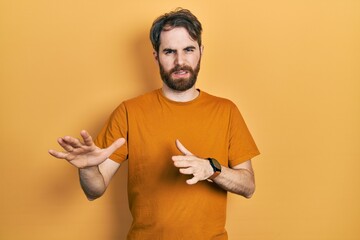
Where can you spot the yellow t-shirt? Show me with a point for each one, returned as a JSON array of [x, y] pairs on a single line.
[[163, 206]]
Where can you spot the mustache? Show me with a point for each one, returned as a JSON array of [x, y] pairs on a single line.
[[181, 68]]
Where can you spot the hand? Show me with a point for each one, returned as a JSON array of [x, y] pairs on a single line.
[[190, 164], [84, 154]]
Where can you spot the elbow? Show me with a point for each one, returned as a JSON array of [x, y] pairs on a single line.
[[249, 191], [246, 192], [249, 194], [93, 193], [93, 196]]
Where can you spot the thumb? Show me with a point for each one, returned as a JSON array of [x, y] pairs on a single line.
[[182, 148], [114, 146]]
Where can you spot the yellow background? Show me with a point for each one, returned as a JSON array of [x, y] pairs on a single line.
[[292, 67]]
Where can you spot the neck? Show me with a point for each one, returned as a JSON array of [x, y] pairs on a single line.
[[180, 96]]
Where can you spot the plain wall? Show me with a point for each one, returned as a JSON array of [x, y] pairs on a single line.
[[292, 67]]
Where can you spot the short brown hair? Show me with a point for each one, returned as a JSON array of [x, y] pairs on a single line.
[[178, 18]]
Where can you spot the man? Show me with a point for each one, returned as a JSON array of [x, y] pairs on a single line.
[[186, 149]]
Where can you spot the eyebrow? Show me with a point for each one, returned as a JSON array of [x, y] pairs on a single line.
[[190, 47], [170, 49]]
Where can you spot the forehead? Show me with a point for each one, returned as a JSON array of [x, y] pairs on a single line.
[[176, 38]]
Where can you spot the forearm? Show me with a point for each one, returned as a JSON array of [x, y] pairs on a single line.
[[239, 181], [92, 182]]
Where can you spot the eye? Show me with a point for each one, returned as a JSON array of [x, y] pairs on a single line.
[[168, 51], [189, 49]]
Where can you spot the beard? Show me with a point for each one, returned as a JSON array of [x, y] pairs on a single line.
[[180, 84]]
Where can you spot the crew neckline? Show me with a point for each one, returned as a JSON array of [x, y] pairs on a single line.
[[161, 94]]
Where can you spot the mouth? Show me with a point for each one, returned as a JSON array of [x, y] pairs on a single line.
[[180, 73]]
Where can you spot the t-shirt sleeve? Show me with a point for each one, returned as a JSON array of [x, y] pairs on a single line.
[[116, 127], [242, 146]]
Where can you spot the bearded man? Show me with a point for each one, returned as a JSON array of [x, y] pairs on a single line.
[[185, 148]]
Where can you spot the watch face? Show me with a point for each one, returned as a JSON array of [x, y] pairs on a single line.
[[217, 164]]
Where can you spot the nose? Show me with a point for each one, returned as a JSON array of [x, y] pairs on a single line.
[[180, 59]]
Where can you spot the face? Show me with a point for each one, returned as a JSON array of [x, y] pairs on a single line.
[[179, 59]]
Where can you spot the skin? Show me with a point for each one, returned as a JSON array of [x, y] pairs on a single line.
[[95, 167], [177, 48], [239, 179]]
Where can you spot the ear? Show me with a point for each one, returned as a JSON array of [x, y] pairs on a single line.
[[155, 54], [201, 50]]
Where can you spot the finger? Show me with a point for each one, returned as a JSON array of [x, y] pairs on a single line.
[[187, 171], [74, 142], [182, 148], [192, 181], [62, 155], [64, 145], [114, 146], [183, 158], [182, 164], [87, 138], [57, 154]]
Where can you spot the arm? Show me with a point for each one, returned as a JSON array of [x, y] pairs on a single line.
[[95, 180], [239, 179], [95, 167]]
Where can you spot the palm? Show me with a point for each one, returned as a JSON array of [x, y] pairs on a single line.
[[84, 154]]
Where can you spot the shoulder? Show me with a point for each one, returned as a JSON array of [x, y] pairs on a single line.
[[144, 100], [132, 103], [216, 100]]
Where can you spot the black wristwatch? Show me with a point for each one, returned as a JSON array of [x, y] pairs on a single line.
[[215, 166]]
